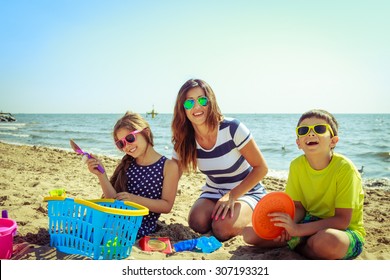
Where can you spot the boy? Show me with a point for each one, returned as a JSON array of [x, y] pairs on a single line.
[[328, 195]]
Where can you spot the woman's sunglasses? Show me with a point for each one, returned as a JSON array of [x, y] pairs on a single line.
[[129, 138], [190, 103], [317, 128]]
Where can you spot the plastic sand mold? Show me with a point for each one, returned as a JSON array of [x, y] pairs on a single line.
[[57, 192], [159, 244], [272, 202], [203, 244]]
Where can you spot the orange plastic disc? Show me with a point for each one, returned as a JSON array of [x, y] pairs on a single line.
[[271, 202]]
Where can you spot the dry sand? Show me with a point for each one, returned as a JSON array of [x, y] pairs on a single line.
[[28, 173]]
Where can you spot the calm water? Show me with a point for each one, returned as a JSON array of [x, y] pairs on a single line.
[[364, 138]]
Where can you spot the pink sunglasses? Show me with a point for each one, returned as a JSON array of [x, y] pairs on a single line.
[[129, 138]]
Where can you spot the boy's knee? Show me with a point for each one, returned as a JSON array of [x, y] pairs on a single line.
[[327, 245], [326, 238]]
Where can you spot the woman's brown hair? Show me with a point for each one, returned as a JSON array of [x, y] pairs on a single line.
[[183, 134]]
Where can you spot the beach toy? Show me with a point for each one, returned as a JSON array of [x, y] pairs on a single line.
[[57, 192], [160, 244], [186, 245], [271, 202], [112, 245], [4, 213], [99, 229], [7, 231], [85, 155], [202, 244]]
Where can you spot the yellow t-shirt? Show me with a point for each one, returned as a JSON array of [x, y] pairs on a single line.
[[339, 185]]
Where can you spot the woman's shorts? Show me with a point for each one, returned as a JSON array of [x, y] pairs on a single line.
[[250, 199]]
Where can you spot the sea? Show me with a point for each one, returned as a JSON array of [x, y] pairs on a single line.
[[364, 138]]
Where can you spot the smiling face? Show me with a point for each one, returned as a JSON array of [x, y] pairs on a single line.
[[313, 143], [135, 149], [198, 114]]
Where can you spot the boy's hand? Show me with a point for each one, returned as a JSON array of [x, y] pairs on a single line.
[[284, 220], [283, 237]]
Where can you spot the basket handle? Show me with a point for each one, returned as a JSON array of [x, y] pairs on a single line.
[[141, 211]]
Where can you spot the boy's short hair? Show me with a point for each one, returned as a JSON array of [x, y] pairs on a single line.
[[321, 114]]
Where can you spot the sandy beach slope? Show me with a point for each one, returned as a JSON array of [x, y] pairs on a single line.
[[28, 173]]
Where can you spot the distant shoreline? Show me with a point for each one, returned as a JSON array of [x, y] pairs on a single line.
[[381, 183], [93, 132]]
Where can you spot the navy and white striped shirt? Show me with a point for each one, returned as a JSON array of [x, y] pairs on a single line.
[[223, 164]]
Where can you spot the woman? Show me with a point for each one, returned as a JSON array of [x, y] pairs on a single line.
[[225, 151]]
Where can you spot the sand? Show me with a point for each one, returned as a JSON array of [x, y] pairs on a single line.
[[28, 173]]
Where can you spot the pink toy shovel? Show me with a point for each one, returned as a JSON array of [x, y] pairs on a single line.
[[81, 152]]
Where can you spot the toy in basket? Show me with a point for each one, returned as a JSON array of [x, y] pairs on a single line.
[[99, 229]]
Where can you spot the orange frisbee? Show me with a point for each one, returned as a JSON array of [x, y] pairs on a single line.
[[271, 202]]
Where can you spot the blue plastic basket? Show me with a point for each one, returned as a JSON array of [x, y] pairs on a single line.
[[99, 229]]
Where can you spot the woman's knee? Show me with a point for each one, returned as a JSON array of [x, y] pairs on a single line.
[[199, 224], [224, 230]]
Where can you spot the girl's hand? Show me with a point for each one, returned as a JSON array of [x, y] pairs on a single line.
[[223, 206], [93, 164], [125, 196]]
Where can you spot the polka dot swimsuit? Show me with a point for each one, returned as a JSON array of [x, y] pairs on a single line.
[[147, 181]]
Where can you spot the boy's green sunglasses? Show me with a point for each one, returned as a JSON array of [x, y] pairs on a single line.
[[317, 128], [190, 103]]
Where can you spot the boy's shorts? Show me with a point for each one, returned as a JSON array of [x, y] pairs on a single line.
[[356, 242]]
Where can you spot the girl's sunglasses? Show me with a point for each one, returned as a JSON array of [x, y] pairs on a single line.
[[317, 128], [129, 138], [190, 103]]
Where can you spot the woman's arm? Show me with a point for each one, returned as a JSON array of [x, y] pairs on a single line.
[[254, 157]]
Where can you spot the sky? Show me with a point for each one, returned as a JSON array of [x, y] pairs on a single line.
[[73, 56]]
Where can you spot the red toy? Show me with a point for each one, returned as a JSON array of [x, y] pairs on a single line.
[[160, 244]]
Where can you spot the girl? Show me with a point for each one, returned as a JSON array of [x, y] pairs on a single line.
[[143, 176]]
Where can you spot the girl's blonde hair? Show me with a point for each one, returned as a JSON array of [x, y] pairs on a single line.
[[130, 121], [183, 134]]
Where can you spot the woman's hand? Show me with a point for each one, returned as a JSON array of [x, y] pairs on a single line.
[[223, 206]]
